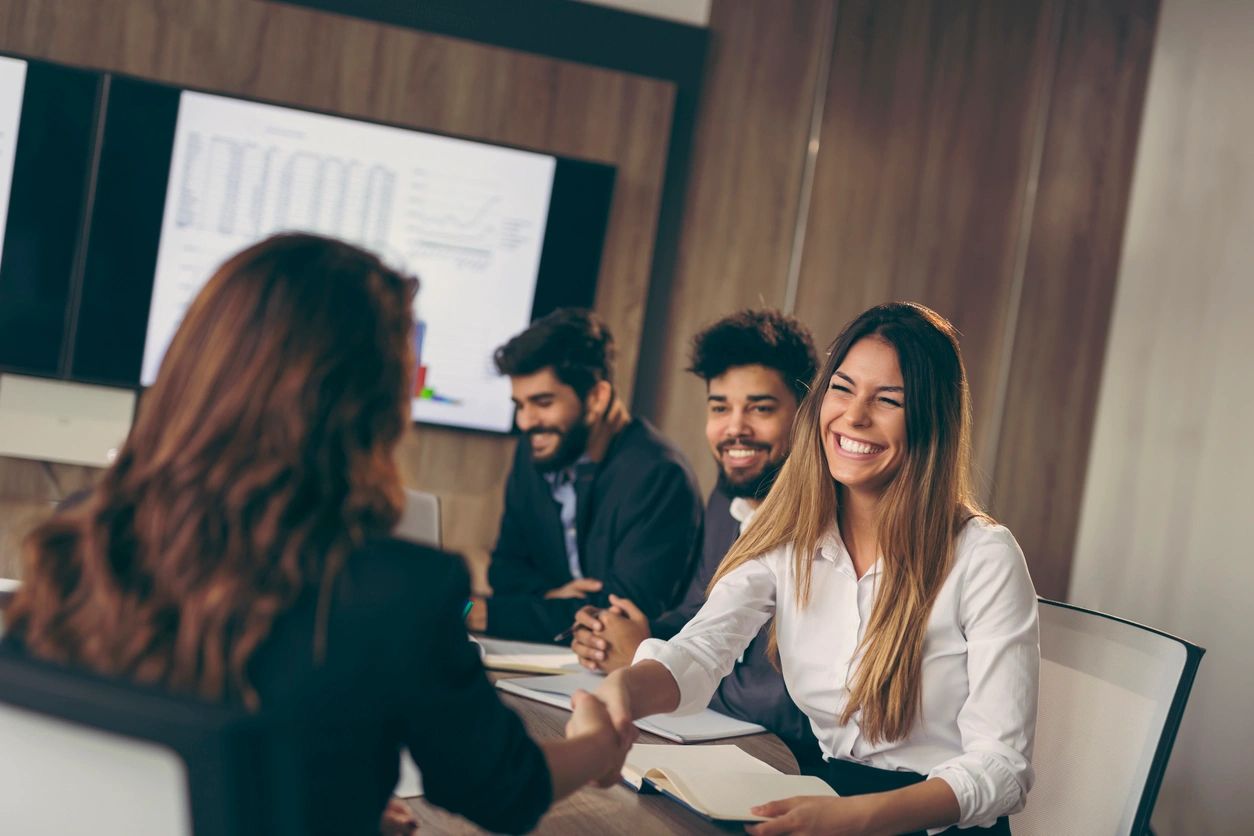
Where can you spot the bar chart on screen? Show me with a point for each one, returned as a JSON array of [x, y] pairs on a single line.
[[467, 218]]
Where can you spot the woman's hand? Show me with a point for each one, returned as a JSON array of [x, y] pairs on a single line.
[[589, 718], [805, 815]]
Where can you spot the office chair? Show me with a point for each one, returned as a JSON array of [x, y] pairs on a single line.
[[420, 521], [82, 753], [1111, 697]]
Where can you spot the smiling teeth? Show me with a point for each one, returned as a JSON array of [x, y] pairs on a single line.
[[857, 446], [741, 454]]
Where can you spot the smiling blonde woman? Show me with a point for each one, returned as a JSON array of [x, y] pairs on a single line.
[[906, 622]]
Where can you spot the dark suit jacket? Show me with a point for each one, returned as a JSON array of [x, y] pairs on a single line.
[[754, 690], [637, 520], [399, 672]]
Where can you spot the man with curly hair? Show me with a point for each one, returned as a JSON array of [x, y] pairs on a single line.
[[757, 366]]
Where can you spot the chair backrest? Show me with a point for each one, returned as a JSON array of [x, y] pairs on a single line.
[[420, 521], [1111, 697], [132, 762]]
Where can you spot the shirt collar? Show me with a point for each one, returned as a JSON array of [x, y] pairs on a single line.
[[832, 549], [741, 511]]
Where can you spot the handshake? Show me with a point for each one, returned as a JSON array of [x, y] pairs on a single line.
[[599, 733]]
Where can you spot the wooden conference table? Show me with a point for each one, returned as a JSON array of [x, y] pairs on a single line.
[[617, 810]]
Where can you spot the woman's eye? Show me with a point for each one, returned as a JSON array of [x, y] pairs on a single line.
[[891, 402], [840, 387]]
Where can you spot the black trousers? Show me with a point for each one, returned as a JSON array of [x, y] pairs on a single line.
[[849, 778]]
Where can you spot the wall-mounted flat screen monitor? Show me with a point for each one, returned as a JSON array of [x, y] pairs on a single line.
[[497, 235], [46, 120]]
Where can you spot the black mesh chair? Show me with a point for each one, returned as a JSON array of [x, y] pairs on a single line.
[[82, 753]]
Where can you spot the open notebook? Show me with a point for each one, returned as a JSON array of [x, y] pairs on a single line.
[[526, 657], [719, 782], [687, 728]]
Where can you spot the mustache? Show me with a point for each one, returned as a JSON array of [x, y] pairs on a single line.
[[542, 431], [741, 442]]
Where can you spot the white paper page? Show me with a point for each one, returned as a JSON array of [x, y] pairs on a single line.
[[688, 728], [532, 654], [12, 90], [729, 795], [728, 757], [468, 218]]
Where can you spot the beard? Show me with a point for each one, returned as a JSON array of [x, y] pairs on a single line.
[[571, 444], [752, 487]]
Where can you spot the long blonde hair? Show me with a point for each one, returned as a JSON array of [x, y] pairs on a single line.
[[919, 516]]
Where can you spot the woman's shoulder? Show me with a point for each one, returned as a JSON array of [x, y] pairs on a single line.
[[987, 554], [386, 567]]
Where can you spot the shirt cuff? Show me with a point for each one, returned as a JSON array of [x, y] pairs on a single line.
[[985, 786], [694, 688]]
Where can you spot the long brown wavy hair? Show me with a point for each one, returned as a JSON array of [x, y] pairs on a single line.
[[918, 517], [260, 458]]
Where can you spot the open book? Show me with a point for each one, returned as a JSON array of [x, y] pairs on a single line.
[[686, 728], [719, 782], [526, 657]]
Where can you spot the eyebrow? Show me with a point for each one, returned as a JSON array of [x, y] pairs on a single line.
[[533, 398], [881, 389], [750, 398]]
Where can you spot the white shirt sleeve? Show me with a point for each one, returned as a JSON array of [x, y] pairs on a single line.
[[998, 613], [706, 650]]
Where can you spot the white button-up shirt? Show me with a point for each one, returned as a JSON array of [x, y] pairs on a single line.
[[981, 662]]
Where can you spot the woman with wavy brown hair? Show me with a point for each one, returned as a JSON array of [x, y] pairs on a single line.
[[238, 551], [905, 620]]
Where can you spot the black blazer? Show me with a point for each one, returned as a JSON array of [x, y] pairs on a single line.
[[754, 690], [638, 522], [398, 672]]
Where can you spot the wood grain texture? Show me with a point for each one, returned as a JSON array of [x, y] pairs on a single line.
[[29, 492], [329, 62], [1069, 281], [923, 167], [743, 191]]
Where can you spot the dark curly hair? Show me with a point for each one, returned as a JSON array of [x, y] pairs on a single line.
[[261, 457], [757, 337], [574, 342]]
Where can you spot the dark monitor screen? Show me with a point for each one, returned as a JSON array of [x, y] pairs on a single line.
[[47, 115], [498, 235]]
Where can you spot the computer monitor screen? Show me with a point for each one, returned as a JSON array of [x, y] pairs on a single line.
[[12, 88], [46, 118], [496, 235]]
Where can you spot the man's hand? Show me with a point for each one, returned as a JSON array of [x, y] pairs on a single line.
[[398, 819], [804, 815], [606, 640], [589, 717], [578, 588], [583, 640]]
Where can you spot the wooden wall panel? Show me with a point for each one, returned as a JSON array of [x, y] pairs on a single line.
[[926, 152], [1069, 281], [743, 193], [334, 63]]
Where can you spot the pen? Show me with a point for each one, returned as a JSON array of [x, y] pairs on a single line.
[[566, 635], [466, 612]]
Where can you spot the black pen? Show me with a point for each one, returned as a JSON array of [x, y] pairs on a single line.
[[569, 633]]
